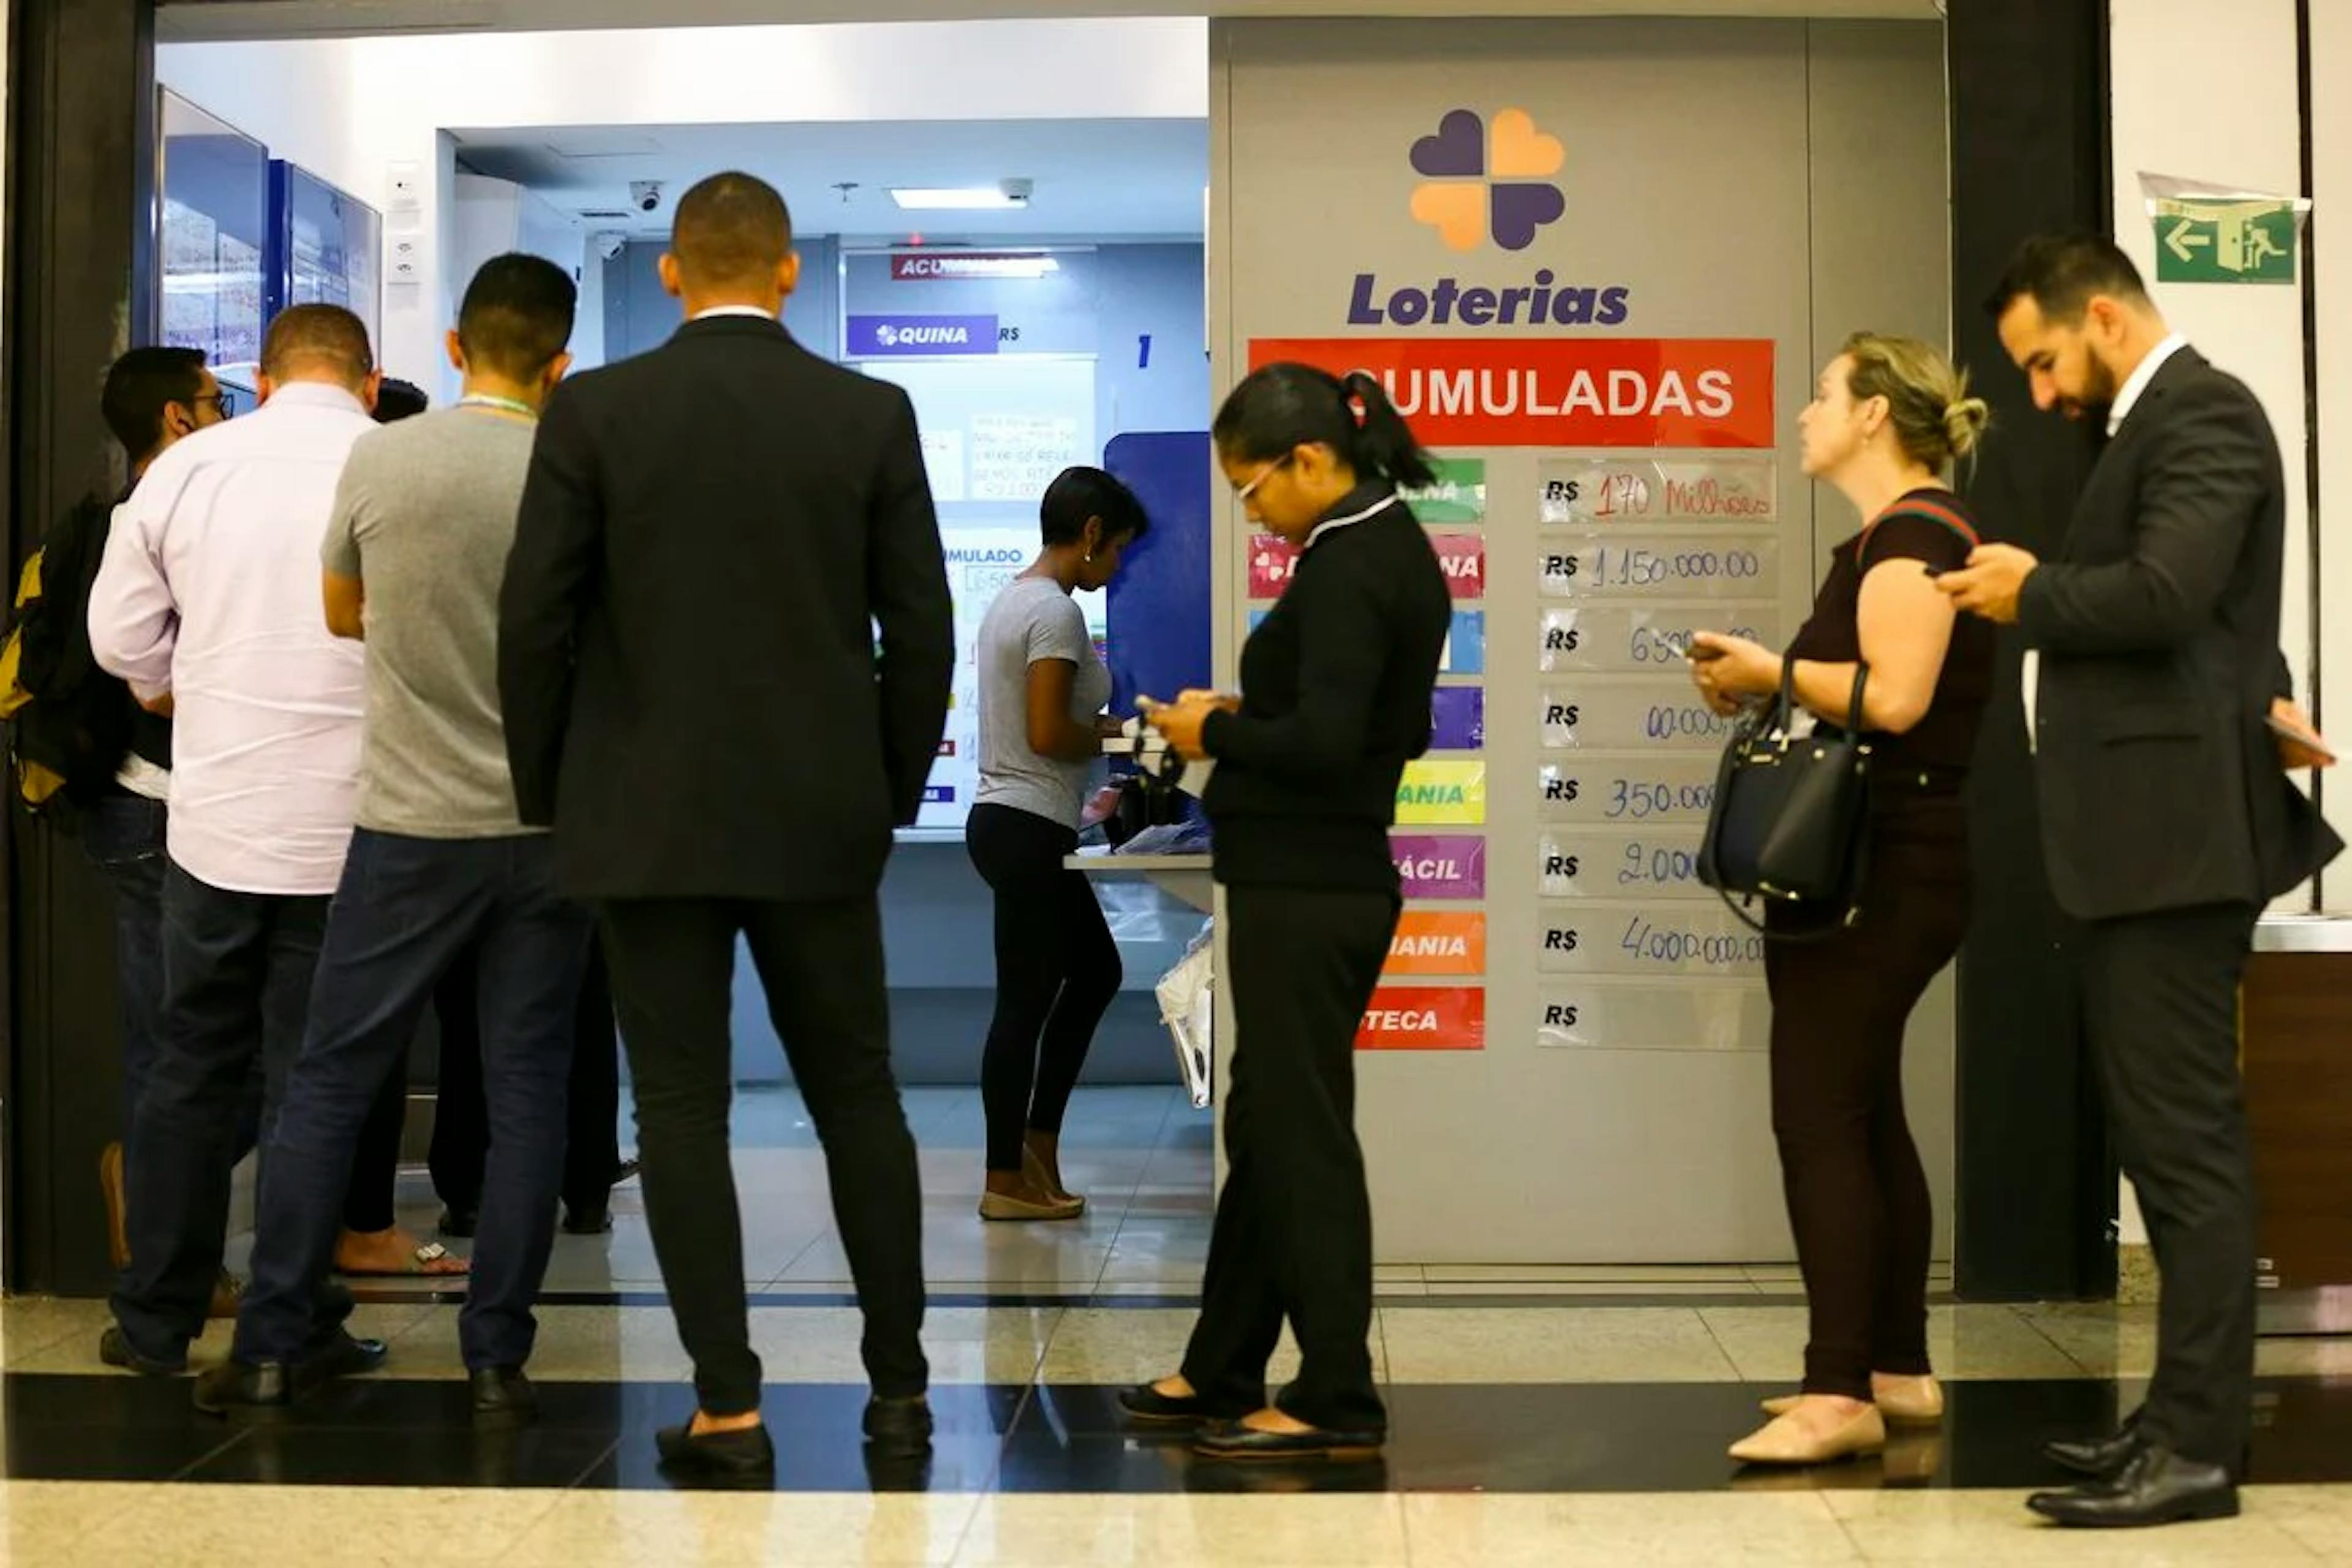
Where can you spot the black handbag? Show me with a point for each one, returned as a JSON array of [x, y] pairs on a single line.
[[1789, 822]]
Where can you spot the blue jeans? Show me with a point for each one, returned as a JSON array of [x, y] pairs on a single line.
[[122, 833], [407, 910], [237, 984]]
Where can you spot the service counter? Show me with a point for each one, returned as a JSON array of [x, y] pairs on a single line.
[[2296, 1044]]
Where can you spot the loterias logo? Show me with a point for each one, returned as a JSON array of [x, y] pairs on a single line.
[[1479, 183], [1482, 183]]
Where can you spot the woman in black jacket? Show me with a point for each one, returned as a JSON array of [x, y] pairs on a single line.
[[1338, 681]]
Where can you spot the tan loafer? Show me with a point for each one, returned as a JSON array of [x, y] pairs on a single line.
[[1916, 1402], [1003, 1206], [1043, 1180], [1786, 1442]]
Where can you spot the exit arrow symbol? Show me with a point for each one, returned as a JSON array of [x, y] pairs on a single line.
[[2184, 240]]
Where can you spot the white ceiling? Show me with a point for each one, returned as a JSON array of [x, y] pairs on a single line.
[[1098, 180], [180, 20]]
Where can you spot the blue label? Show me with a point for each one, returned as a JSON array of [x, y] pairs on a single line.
[[1465, 649], [905, 337]]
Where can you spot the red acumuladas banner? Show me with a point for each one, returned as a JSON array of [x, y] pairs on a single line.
[[1560, 392]]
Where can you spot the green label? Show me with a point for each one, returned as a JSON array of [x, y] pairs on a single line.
[[2225, 242], [1458, 496]]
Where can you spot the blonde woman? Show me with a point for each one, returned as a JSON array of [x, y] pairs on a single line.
[[1888, 417]]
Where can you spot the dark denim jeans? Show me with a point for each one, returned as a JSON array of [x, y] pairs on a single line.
[[236, 986], [407, 910], [122, 833]]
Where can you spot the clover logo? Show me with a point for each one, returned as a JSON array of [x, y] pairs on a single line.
[[887, 335], [1480, 181]]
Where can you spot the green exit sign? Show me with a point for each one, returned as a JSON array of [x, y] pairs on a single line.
[[2225, 242]]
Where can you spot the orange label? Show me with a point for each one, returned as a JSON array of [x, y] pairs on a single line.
[[1438, 942], [1424, 1018]]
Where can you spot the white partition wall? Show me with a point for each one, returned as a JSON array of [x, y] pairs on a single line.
[[1601, 258]]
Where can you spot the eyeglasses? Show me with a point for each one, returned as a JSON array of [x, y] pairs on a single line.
[[1263, 474], [225, 401]]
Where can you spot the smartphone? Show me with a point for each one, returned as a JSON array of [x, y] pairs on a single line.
[[1695, 654], [1147, 706], [1934, 571], [2311, 738]]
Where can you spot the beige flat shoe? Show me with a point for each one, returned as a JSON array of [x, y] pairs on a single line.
[[1785, 1442], [1002, 1206], [1916, 1402], [1043, 1180]]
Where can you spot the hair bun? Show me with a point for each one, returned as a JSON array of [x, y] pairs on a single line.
[[1963, 424]]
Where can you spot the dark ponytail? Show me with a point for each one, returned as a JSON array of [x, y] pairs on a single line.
[[1285, 406]]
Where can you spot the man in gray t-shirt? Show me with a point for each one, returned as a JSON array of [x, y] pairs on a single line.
[[422, 525], [440, 869]]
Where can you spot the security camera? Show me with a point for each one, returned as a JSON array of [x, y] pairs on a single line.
[[646, 194], [610, 246]]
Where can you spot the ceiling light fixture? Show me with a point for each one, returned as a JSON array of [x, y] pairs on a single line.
[[1005, 196]]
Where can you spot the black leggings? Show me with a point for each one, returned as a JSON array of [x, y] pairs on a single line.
[[1057, 970], [1856, 1191]]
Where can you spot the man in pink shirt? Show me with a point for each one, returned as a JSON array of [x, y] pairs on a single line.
[[208, 605]]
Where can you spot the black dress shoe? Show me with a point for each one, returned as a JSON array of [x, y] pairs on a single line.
[[2158, 1487], [503, 1397], [722, 1456], [1147, 1405], [582, 1220], [898, 1428], [337, 1353], [1233, 1440], [261, 1386], [459, 1225], [2102, 1458], [115, 1349]]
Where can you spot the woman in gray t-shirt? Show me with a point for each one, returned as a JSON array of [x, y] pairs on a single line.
[[1042, 692]]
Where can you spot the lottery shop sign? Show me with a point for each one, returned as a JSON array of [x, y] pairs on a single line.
[[1560, 392]]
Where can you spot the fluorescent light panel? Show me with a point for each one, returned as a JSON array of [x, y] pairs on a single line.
[[1010, 196]]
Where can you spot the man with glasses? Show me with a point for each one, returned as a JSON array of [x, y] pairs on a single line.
[[207, 602], [114, 755]]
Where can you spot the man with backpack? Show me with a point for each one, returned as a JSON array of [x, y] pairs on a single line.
[[86, 752]]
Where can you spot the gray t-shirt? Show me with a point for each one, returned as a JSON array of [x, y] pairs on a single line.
[[425, 517], [1032, 620]]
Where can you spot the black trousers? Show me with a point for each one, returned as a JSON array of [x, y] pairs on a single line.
[[673, 964], [2160, 999], [1058, 973], [1294, 1229], [1856, 1191], [461, 1129]]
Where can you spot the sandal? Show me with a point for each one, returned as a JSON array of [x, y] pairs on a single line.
[[430, 1260]]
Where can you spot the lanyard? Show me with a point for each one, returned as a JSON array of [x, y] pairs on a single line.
[[519, 409]]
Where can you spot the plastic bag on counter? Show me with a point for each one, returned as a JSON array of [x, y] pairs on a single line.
[[1187, 1005]]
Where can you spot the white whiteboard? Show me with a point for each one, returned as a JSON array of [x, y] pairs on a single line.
[[997, 429]]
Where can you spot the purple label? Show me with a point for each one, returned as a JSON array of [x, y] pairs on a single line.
[[1457, 719], [1440, 867], [938, 794], [901, 337]]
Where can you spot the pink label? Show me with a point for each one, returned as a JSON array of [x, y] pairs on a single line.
[[1439, 866]]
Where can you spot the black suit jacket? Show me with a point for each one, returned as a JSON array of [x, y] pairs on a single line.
[[710, 537], [2159, 626]]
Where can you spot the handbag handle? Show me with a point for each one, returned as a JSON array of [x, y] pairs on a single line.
[[1786, 713]]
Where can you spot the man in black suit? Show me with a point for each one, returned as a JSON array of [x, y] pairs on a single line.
[[2151, 690], [697, 703]]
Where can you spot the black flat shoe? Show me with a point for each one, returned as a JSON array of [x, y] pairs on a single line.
[[2158, 1487], [337, 1353], [503, 1397], [459, 1225], [1232, 1440], [746, 1456], [597, 1221], [114, 1348], [259, 1387], [1149, 1406], [898, 1428]]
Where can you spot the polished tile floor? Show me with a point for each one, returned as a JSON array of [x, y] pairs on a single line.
[[1540, 1417]]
